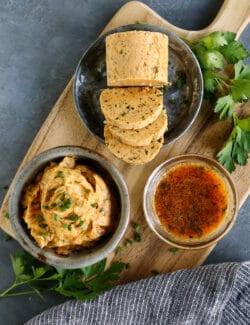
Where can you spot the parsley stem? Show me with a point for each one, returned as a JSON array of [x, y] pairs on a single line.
[[17, 293]]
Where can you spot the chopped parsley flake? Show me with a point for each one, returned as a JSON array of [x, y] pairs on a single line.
[[118, 250], [80, 223], [60, 174], [173, 250], [155, 272], [137, 237], [43, 225], [128, 242], [7, 215], [137, 227], [56, 217], [128, 266], [73, 217], [94, 205]]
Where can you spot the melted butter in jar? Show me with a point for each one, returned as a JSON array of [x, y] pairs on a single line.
[[191, 201]]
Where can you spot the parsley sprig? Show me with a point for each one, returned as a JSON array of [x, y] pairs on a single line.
[[216, 52], [33, 276]]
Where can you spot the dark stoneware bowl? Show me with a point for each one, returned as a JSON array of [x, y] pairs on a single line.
[[183, 98], [85, 257]]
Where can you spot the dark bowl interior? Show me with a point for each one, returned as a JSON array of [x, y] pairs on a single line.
[[183, 97]]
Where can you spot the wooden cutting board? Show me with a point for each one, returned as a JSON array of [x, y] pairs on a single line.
[[206, 136]]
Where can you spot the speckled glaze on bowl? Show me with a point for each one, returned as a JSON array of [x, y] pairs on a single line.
[[153, 220], [183, 102], [81, 258]]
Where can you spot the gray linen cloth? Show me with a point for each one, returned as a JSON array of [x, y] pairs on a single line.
[[213, 294]]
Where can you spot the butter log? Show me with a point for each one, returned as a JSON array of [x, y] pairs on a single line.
[[137, 58]]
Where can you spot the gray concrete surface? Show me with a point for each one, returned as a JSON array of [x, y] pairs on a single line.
[[40, 45]]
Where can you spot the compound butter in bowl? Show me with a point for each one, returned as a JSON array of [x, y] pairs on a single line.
[[190, 201], [69, 207]]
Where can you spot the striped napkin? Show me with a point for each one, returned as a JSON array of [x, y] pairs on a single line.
[[213, 294]]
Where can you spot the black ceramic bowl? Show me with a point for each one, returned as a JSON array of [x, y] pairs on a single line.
[[183, 98]]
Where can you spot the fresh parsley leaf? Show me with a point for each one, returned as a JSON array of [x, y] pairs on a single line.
[[210, 82], [234, 51], [214, 40], [209, 59], [240, 90], [244, 124], [237, 147], [225, 156], [94, 269], [225, 106], [242, 71], [17, 264], [214, 52], [229, 36], [81, 284]]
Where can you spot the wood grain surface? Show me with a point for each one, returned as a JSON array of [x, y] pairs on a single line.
[[206, 136]]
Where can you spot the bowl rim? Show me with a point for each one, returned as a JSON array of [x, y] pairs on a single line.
[[188, 157], [146, 27], [28, 173]]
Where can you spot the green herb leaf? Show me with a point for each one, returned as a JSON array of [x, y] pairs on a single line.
[[17, 264], [94, 269], [141, 22], [242, 71], [137, 227], [128, 242], [234, 51], [210, 82], [155, 272], [214, 40], [225, 106], [209, 59], [81, 284], [4, 187], [74, 217], [60, 174], [213, 51], [66, 205], [240, 90], [56, 217], [118, 250], [80, 223], [7, 215], [137, 237], [173, 250]]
